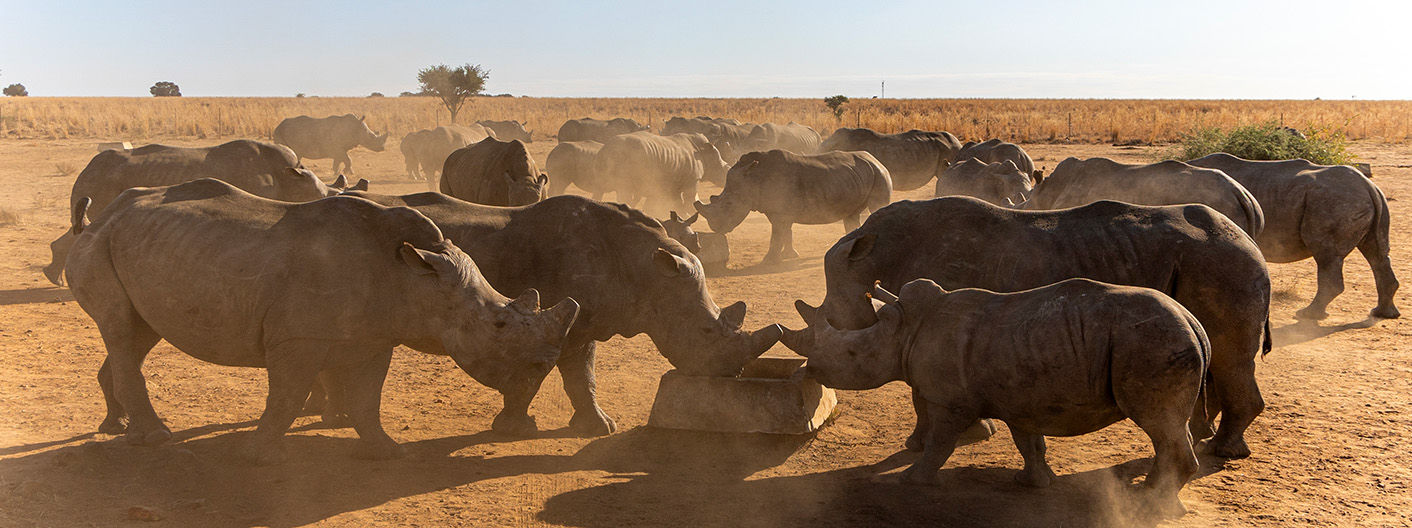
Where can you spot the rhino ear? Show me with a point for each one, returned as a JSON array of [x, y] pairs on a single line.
[[340, 182], [527, 303], [416, 259], [859, 248], [669, 264], [891, 317], [733, 316], [362, 185], [674, 216]]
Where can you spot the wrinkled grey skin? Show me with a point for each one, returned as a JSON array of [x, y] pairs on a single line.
[[680, 230], [328, 138], [722, 133], [793, 137], [494, 172], [1000, 183], [508, 130], [332, 285], [264, 169], [1318, 211], [575, 162], [995, 151], [425, 151], [662, 169], [913, 157], [588, 129], [619, 265], [1066, 359], [1190, 252], [790, 189], [1077, 182]]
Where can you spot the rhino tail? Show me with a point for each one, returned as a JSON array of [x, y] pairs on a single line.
[[78, 219], [1375, 241], [1267, 344]]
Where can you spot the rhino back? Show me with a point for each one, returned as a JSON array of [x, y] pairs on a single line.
[[249, 165], [1076, 183], [811, 189]]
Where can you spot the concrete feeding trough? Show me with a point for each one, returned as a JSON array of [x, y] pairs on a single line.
[[770, 396], [114, 145], [715, 250]]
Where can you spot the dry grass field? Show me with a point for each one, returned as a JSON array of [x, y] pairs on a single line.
[[1016, 120], [1332, 447]]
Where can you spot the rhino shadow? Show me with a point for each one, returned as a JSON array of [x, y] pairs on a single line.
[[35, 295], [704, 483], [1306, 330], [765, 268], [319, 480]]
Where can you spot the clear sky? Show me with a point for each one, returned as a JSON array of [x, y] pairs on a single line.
[[1237, 49]]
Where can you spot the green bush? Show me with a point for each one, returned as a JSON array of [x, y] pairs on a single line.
[[1265, 141]]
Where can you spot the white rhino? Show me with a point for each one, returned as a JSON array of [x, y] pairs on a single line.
[[328, 138]]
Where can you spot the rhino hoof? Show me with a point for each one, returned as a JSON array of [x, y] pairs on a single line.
[[596, 424], [521, 426], [150, 438], [1225, 449], [1163, 505], [920, 477], [917, 441], [1310, 312], [113, 425], [1388, 312], [385, 450], [1035, 479]]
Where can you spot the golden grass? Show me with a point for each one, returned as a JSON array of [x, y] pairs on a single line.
[[1019, 120]]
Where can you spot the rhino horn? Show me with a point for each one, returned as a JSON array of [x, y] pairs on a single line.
[[340, 182], [527, 303], [362, 185], [809, 313], [761, 340], [800, 341], [691, 219], [699, 206], [882, 294], [562, 316], [733, 316]]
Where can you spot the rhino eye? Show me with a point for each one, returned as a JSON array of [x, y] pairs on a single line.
[[500, 324], [852, 353]]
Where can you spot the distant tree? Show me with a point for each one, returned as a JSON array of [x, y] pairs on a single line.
[[165, 89], [299, 95], [16, 90], [453, 85], [836, 103], [375, 94]]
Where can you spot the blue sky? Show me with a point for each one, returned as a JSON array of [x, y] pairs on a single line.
[[1075, 49]]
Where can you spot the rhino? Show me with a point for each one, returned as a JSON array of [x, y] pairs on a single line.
[[1320, 211], [913, 157], [328, 138], [588, 129], [680, 230], [1190, 252], [508, 130], [1000, 183], [662, 169], [790, 189], [1065, 359], [237, 280], [1076, 182], [494, 172], [425, 151], [264, 169], [995, 151], [627, 275], [574, 162], [722, 133], [792, 137]]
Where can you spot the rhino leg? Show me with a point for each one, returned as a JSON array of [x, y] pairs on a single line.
[[1037, 473], [514, 418], [781, 241], [329, 398], [362, 390], [59, 250], [128, 342], [918, 439], [852, 221], [347, 164], [293, 367], [1377, 256], [945, 428], [576, 367], [1330, 285], [1174, 462]]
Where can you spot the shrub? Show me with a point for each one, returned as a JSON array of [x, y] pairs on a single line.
[[375, 94], [16, 90], [835, 103], [1265, 141], [165, 89]]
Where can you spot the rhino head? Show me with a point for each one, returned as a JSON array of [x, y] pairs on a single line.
[[298, 184], [1008, 183], [862, 359], [507, 345], [371, 140], [687, 327], [681, 231], [526, 191]]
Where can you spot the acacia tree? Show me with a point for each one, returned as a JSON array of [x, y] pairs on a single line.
[[16, 90], [836, 103], [165, 89], [453, 85]]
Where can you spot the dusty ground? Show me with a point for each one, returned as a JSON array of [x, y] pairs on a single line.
[[1331, 448]]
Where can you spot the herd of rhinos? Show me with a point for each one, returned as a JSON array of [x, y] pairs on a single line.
[[238, 255]]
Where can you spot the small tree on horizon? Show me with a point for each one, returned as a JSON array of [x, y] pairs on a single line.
[[16, 90], [836, 103], [453, 85], [165, 89]]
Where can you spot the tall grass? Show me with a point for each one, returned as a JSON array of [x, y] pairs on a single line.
[[1018, 120]]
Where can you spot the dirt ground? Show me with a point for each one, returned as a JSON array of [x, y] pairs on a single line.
[[1331, 448]]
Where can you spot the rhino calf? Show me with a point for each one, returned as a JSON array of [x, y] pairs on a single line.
[[1060, 360], [793, 189], [331, 285]]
